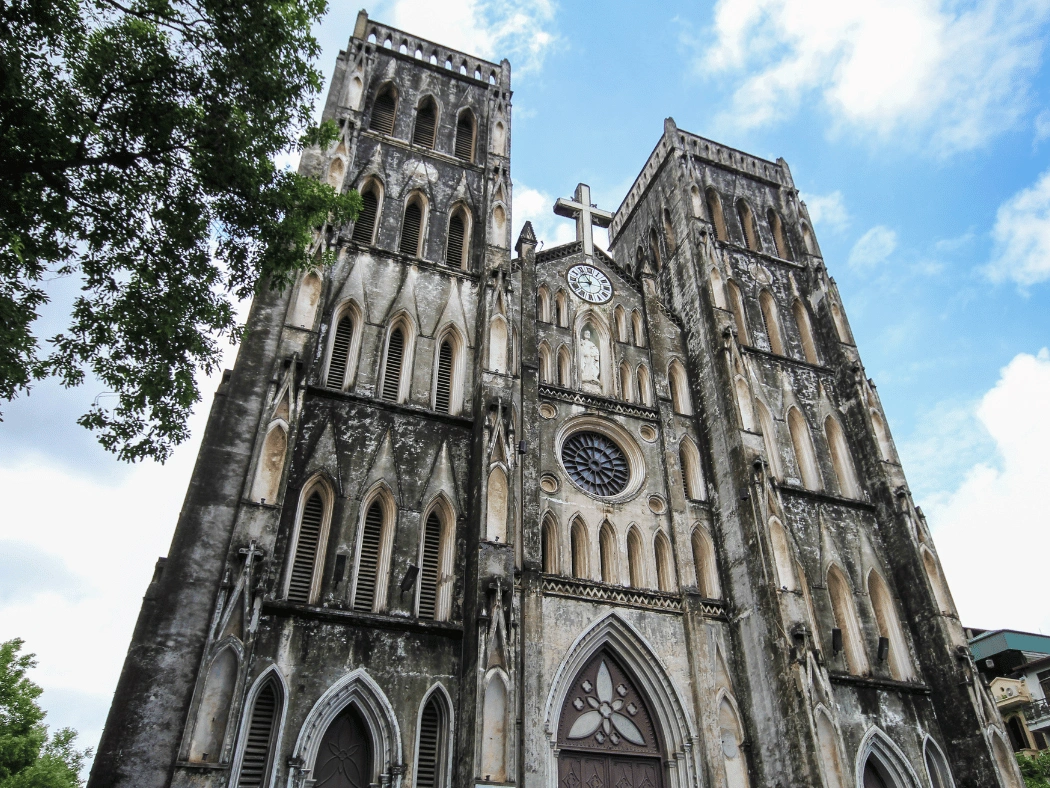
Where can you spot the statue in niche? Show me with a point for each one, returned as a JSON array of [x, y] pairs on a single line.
[[590, 360]]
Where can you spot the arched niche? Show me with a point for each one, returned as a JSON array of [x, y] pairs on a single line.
[[579, 549], [494, 739], [845, 612], [594, 353], [550, 546], [841, 458], [771, 317], [704, 563], [499, 340], [805, 455], [890, 627], [213, 713], [270, 469], [732, 735], [678, 381], [831, 763], [805, 331], [782, 557], [307, 297], [769, 439], [607, 553], [497, 497], [736, 304]]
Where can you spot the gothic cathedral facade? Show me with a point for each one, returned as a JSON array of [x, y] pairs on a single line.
[[472, 512]]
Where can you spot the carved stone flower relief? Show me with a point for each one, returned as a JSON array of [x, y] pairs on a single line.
[[605, 718]]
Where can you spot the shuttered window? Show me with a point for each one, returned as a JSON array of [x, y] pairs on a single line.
[[255, 764], [364, 227], [686, 470], [368, 566], [410, 230], [428, 572], [454, 248], [443, 395], [465, 137], [383, 112], [426, 120], [344, 333], [395, 354], [306, 550], [428, 759]]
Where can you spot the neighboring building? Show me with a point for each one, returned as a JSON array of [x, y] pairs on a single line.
[[1017, 667], [556, 518]]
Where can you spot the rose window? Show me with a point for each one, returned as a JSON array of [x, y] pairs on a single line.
[[595, 463]]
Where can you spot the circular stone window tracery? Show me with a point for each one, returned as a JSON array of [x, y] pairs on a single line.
[[595, 463]]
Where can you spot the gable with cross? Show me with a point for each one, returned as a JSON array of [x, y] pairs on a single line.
[[586, 215]]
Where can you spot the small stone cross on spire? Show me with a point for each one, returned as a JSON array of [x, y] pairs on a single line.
[[585, 214]]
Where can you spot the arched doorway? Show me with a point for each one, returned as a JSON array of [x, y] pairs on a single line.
[[344, 757], [606, 734]]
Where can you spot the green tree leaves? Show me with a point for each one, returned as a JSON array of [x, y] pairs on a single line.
[[28, 759], [137, 147], [1036, 770]]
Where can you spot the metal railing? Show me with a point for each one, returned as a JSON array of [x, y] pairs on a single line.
[[1036, 711]]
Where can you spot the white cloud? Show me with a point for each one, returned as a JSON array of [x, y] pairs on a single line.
[[991, 530], [519, 30], [1042, 125], [956, 74], [872, 248], [827, 210], [1022, 236]]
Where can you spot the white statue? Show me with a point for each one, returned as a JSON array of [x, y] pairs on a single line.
[[590, 360]]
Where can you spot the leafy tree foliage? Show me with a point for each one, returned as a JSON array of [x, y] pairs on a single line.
[[28, 758], [1035, 771], [137, 152]]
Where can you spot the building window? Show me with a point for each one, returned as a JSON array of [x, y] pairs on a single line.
[[772, 321], [465, 135], [718, 217], [664, 567], [431, 754], [307, 556], [365, 226], [777, 228], [607, 553], [339, 361], [395, 354], [412, 227], [456, 248], [426, 123], [736, 304], [443, 387], [257, 759], [369, 560], [384, 109], [747, 223], [430, 566]]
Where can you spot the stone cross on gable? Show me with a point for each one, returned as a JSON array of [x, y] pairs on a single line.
[[585, 214]]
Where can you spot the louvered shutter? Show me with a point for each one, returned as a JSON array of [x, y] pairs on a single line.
[[410, 230], [255, 763], [395, 353], [426, 118], [344, 332], [383, 113], [454, 248], [685, 474], [465, 137], [443, 395], [364, 227], [368, 566], [428, 765], [428, 575], [306, 550]]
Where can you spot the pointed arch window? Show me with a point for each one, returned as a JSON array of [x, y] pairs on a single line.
[[696, 201], [426, 123], [432, 751], [827, 739], [772, 322], [546, 363], [373, 561], [543, 304], [564, 368], [882, 435], [732, 734], [736, 304], [260, 736], [365, 225], [341, 350], [692, 478], [607, 553], [804, 453], [497, 499], [443, 386], [335, 172], [805, 332], [561, 309], [306, 300], [717, 291], [344, 757], [465, 135], [620, 321], [747, 223], [311, 534], [550, 546], [704, 564], [664, 564], [743, 401], [626, 383], [718, 217], [580, 549], [412, 226], [769, 439], [209, 730], [782, 555], [384, 110], [846, 621], [435, 565], [679, 384], [841, 458], [937, 766], [889, 627], [397, 351], [645, 388], [270, 468], [635, 558], [940, 594], [494, 730], [808, 239], [776, 227], [639, 331], [456, 249]]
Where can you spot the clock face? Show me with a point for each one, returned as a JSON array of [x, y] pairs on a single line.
[[590, 284]]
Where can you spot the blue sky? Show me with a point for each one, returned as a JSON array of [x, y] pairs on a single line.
[[919, 135]]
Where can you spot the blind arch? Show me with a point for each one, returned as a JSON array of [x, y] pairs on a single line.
[[771, 318], [736, 305], [664, 562], [845, 614], [890, 627], [718, 217], [580, 549], [841, 458], [607, 553], [804, 452], [748, 225], [805, 332], [635, 558]]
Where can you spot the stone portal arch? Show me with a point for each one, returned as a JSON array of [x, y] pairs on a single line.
[[663, 734], [879, 759], [359, 707]]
